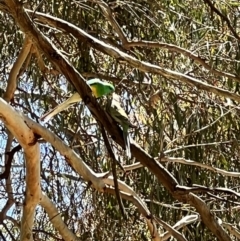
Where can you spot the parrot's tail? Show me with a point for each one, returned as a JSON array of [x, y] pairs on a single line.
[[64, 105], [127, 144]]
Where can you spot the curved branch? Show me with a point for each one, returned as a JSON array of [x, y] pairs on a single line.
[[71, 157], [185, 52], [181, 223], [10, 154], [198, 164], [13, 76], [56, 219], [171, 231]]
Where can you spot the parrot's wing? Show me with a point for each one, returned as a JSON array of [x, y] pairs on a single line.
[[64, 105], [117, 112], [119, 115]]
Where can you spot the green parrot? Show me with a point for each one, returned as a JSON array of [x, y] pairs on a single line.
[[119, 115], [99, 89]]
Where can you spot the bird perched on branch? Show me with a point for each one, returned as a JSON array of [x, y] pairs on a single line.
[[99, 89], [119, 115]]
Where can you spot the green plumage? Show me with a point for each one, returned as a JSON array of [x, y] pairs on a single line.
[[119, 115], [99, 89]]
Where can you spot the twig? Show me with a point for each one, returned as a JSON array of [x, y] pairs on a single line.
[[196, 145], [38, 6]]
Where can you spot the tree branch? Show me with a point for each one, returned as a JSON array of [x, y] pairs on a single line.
[[6, 175], [56, 219], [16, 125], [108, 14], [13, 76], [185, 52], [71, 157]]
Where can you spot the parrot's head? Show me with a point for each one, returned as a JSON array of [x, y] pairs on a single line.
[[101, 88]]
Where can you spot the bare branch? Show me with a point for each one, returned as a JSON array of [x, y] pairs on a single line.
[[41, 63], [198, 164], [16, 125], [114, 162], [233, 230], [124, 188], [197, 145], [9, 189], [185, 52], [137, 165], [180, 224], [208, 217], [171, 230], [108, 14], [10, 154], [185, 221], [14, 221], [56, 219], [71, 157], [13, 76]]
